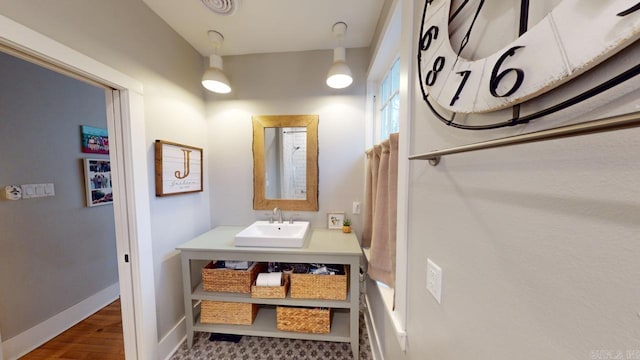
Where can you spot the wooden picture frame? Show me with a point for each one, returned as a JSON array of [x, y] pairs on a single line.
[[97, 180], [260, 199], [178, 168]]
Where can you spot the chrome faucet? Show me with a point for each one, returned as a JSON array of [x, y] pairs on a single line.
[[277, 211]]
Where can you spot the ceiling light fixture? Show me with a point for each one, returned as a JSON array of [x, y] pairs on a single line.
[[214, 79], [339, 75]]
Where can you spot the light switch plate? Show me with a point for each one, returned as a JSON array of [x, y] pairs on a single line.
[[356, 208], [49, 190], [28, 191], [434, 280]]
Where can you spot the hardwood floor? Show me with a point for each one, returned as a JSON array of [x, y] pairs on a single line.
[[98, 337]]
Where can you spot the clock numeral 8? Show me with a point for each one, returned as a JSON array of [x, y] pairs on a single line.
[[496, 78], [428, 36], [432, 75]]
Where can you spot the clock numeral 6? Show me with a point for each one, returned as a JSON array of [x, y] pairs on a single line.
[[432, 75], [496, 78], [428, 36]]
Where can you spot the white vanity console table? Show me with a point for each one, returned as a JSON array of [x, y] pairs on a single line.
[[323, 246]]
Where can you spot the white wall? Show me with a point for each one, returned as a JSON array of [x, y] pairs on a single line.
[[130, 38], [538, 243], [285, 84]]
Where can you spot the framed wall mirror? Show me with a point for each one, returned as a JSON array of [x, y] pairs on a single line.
[[285, 162]]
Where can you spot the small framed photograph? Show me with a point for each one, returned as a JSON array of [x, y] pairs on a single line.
[[94, 140], [97, 178], [335, 219]]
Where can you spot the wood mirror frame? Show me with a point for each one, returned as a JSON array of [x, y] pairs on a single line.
[[260, 201]]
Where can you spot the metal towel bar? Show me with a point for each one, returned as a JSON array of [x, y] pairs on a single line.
[[590, 127]]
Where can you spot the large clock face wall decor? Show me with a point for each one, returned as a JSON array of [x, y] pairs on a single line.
[[576, 36]]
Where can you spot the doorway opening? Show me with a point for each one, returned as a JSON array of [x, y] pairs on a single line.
[[125, 124], [63, 243]]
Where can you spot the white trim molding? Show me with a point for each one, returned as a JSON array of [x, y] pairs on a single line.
[[401, 334], [398, 26], [29, 340], [399, 315], [385, 296], [171, 342], [374, 338]]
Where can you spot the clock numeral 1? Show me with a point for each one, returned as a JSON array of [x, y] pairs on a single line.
[[496, 78], [428, 36], [432, 75], [465, 76]]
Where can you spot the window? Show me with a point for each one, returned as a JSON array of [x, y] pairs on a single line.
[[389, 103], [389, 98]]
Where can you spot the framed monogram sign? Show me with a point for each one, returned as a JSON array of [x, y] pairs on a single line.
[[178, 168]]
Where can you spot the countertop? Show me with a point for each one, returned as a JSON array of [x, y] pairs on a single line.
[[320, 242]]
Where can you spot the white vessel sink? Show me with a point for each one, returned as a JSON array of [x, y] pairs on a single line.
[[265, 234]]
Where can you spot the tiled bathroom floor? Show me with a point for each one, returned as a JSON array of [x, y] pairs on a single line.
[[264, 348]]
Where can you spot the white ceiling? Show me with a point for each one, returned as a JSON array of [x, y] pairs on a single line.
[[267, 26]]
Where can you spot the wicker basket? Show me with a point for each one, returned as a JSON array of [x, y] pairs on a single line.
[[229, 280], [221, 312], [271, 292], [327, 287], [307, 320]]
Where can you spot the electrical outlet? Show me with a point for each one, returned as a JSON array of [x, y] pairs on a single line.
[[434, 280]]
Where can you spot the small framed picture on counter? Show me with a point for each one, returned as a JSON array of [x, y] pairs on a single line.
[[335, 219]]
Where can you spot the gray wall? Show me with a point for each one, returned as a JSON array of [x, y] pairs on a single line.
[[286, 84], [54, 251], [538, 243], [127, 36]]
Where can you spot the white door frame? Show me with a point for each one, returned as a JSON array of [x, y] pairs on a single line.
[[126, 125]]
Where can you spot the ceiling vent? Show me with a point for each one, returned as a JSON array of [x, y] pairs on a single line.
[[221, 7]]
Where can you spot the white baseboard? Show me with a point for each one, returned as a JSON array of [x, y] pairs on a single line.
[[29, 340], [376, 350], [172, 341]]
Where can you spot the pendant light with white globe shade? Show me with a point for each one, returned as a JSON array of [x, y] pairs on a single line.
[[339, 75], [214, 79]]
